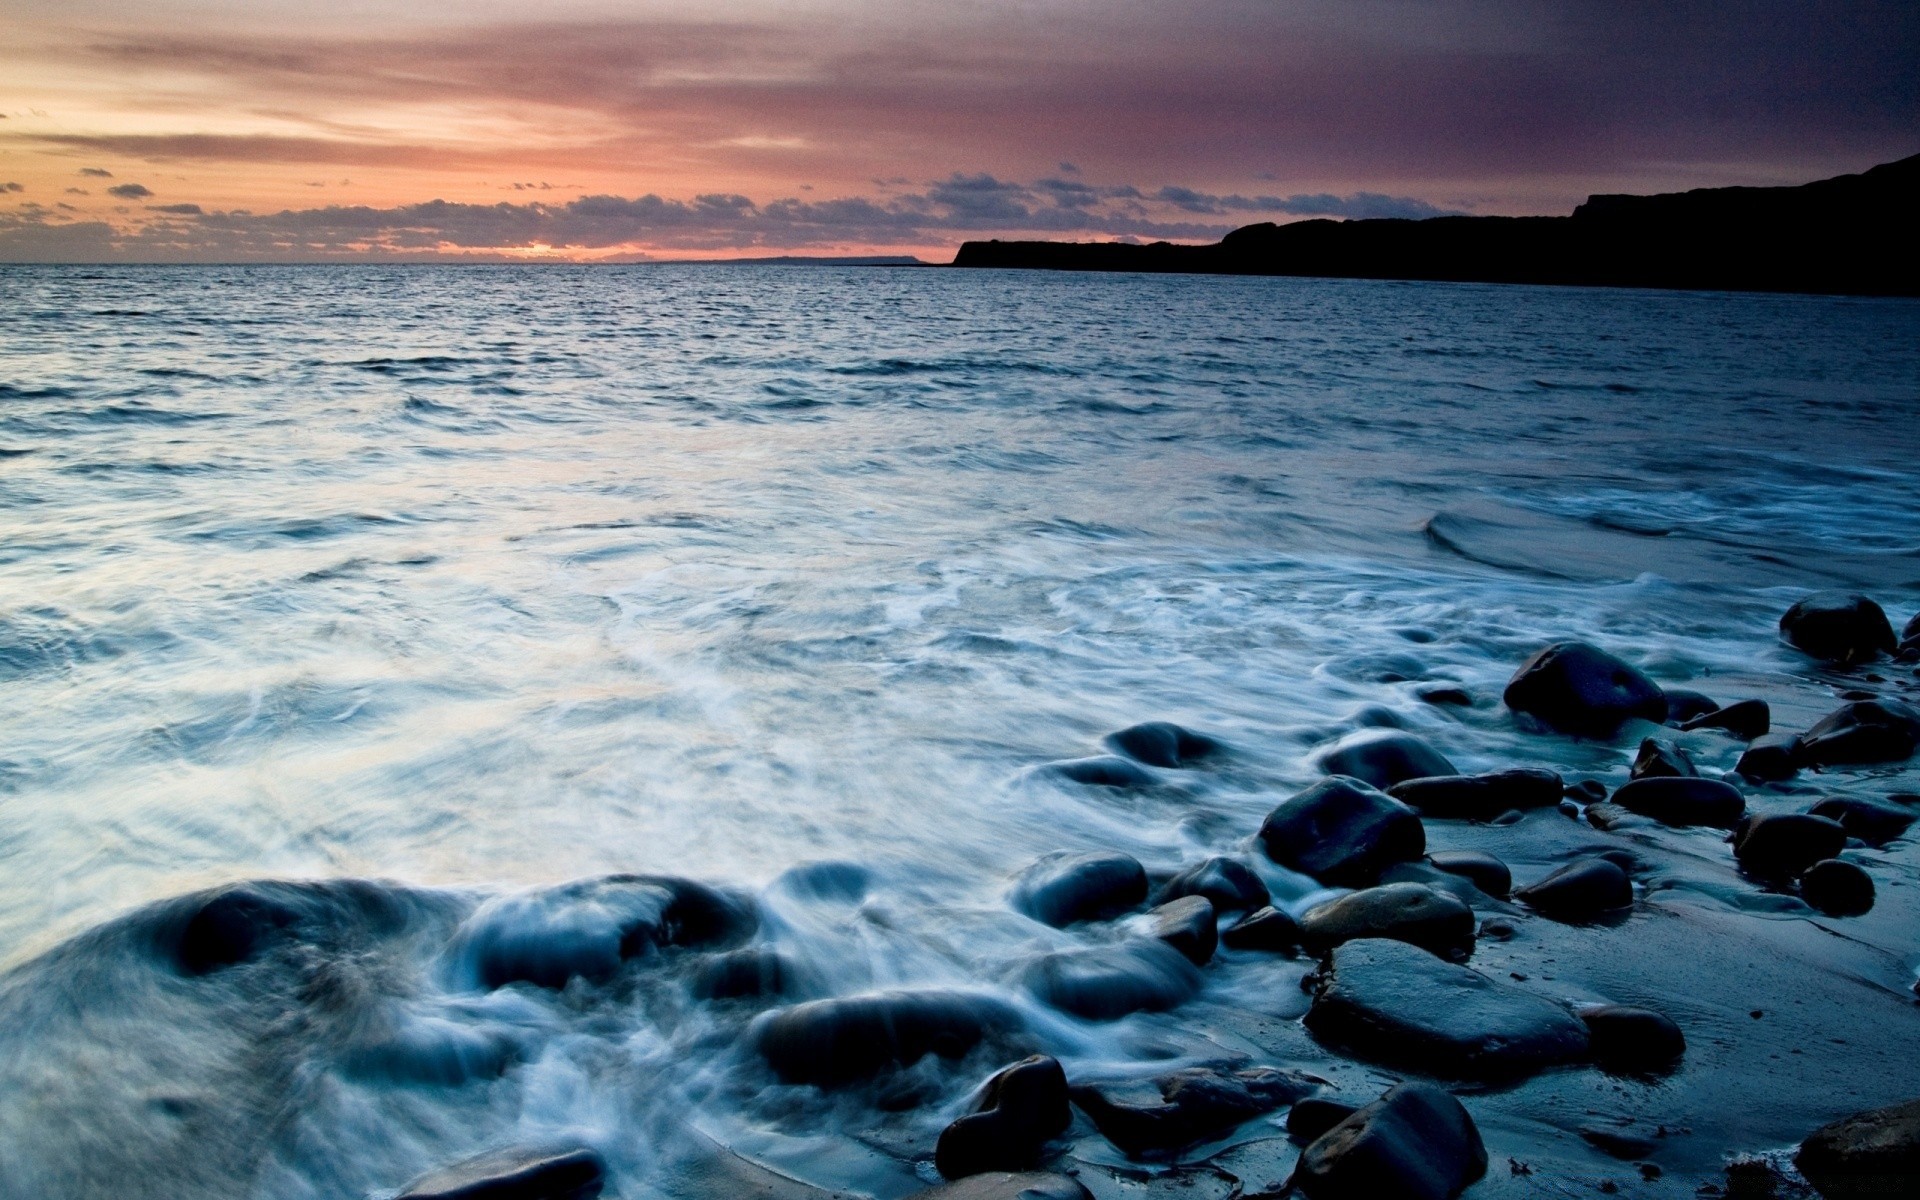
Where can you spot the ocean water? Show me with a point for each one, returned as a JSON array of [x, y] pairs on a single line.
[[473, 580]]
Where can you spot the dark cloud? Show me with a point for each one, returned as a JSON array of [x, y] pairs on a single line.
[[11, 187], [185, 210], [130, 191], [1360, 205], [97, 172]]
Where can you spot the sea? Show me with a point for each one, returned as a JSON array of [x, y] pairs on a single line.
[[472, 580]]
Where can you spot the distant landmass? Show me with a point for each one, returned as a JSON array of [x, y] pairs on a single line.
[[806, 260], [1853, 235]]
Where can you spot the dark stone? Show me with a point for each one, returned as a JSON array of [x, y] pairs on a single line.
[[1678, 800], [1865, 731], [1780, 847], [1384, 757], [231, 926], [1002, 1185], [1838, 888], [1580, 689], [1061, 888], [1580, 891], [1445, 693], [1872, 822], [1771, 758], [1343, 833], [1414, 1143], [1657, 760], [1103, 770], [741, 973], [1632, 1040], [1187, 1107], [1486, 872], [1188, 925], [1684, 705], [1406, 912], [1605, 815], [1873, 1153], [1619, 1143], [1162, 744], [1312, 1116], [1746, 720], [1838, 627], [1103, 983], [1022, 1108], [1232, 886], [1479, 797], [1264, 929], [517, 1174], [1388, 1002], [834, 1042], [1587, 791], [1910, 632]]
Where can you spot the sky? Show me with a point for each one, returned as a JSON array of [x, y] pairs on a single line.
[[295, 130]]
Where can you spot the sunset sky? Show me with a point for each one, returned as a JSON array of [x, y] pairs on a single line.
[[296, 129]]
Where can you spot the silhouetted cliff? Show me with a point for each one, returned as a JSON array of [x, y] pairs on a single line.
[[1854, 234]]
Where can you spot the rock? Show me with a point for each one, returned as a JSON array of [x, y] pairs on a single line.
[[1186, 924], [1103, 983], [1232, 886], [1479, 797], [1771, 758], [1609, 816], [1312, 1116], [1414, 1143], [1022, 1108], [830, 1043], [1445, 694], [1104, 770], [1407, 912], [1264, 929], [1383, 757], [1874, 823], [1657, 760], [1002, 1185], [1684, 705], [1780, 847], [1162, 744], [1630, 1040], [1618, 1142], [1342, 832], [1910, 632], [1872, 1153], [1195, 1105], [741, 973], [1838, 627], [1586, 791], [1746, 720], [1865, 731], [231, 926], [1486, 872], [1580, 891], [588, 928], [1837, 888], [1579, 689], [1392, 1003], [1061, 888], [1677, 800], [521, 1173]]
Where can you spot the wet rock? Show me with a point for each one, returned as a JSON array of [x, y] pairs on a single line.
[[1062, 888], [521, 1173], [1479, 797], [1677, 800], [1263, 929], [1580, 689], [1162, 744], [1580, 891], [1865, 731], [1188, 925], [1003, 1185], [1609, 816], [1312, 1116], [1910, 632], [1771, 758], [1447, 694], [1631, 1040], [1657, 760], [1021, 1109], [1780, 847], [1389, 1002], [1619, 1143], [1586, 791], [1384, 757], [1414, 1143], [589, 927], [1872, 822], [1231, 885], [1485, 871], [1838, 627], [1684, 705], [1186, 1107], [1746, 720], [1104, 983], [1342, 832], [834, 1042], [1104, 770], [1837, 888], [1872, 1153], [741, 973], [1406, 912], [231, 926]]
